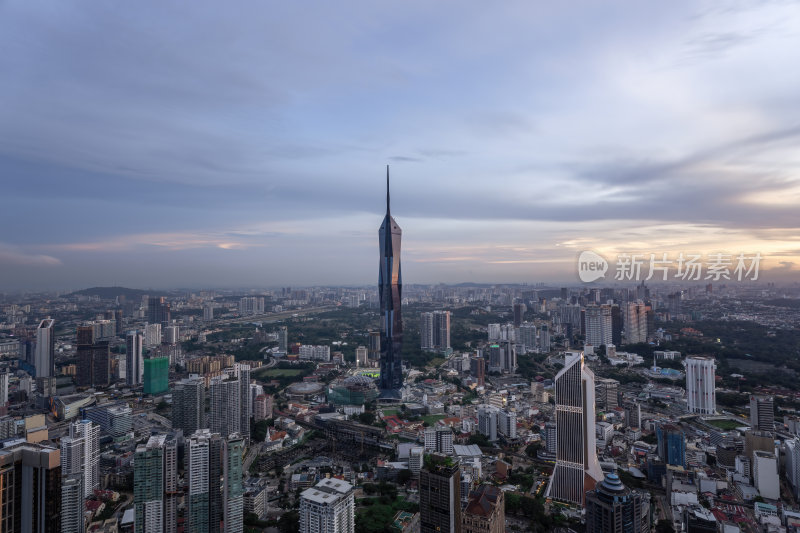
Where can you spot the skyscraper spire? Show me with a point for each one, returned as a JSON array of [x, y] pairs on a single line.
[[388, 211]]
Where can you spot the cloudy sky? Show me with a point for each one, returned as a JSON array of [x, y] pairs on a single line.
[[160, 144]]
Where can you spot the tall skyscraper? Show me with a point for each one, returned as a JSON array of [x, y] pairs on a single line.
[[598, 325], [233, 493], [3, 388], [156, 375], [72, 504], [390, 287], [80, 454], [224, 416], [671, 444], [440, 495], [435, 331], [158, 311], [487, 421], [44, 358], [361, 356], [577, 468], [636, 323], [374, 346], [477, 369], [148, 486], [30, 489], [242, 372], [203, 460], [188, 405], [606, 390], [762, 413], [613, 508], [94, 365], [328, 507], [283, 339], [134, 363], [700, 385]]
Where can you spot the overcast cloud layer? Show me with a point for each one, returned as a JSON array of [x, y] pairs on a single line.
[[163, 144]]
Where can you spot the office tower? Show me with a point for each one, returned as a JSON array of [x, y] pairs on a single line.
[[156, 375], [3, 388], [242, 372], [374, 346], [328, 507], [487, 421], [519, 313], [636, 323], [598, 325], [509, 356], [633, 415], [606, 391], [208, 312], [671, 444], [171, 334], [435, 331], [762, 413], [30, 489], [507, 423], [698, 519], [549, 436], [700, 385], [72, 504], [485, 511], [44, 358], [616, 325], [94, 364], [152, 335], [203, 469], [283, 339], [544, 339], [188, 405], [577, 468], [361, 356], [80, 454], [390, 287], [134, 364], [233, 493], [158, 311], [613, 508], [440, 495], [439, 440], [495, 362], [477, 369], [765, 475], [224, 415], [262, 407]]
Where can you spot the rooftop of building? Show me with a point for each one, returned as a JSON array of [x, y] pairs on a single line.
[[328, 490]]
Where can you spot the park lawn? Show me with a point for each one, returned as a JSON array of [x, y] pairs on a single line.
[[390, 412], [278, 372], [726, 425], [432, 419]]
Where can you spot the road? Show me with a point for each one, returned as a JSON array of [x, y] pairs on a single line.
[[270, 318]]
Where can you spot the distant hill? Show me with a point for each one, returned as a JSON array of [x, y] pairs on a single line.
[[109, 293]]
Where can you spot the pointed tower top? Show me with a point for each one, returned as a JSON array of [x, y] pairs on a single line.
[[388, 211]]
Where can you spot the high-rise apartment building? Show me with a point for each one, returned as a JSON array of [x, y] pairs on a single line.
[[477, 369], [390, 287], [440, 495], [73, 504], [232, 488], [251, 305], [242, 373], [507, 423], [439, 440], [203, 471], [762, 413], [134, 362], [700, 385], [156, 375], [327, 507], [152, 335], [224, 416], [519, 313], [44, 357], [80, 454], [4, 388], [149, 485], [188, 405], [487, 421], [435, 331], [577, 468], [544, 339], [598, 325], [606, 393], [361, 356], [613, 508], [374, 346], [283, 339]]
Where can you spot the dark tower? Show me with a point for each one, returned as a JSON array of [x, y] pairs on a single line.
[[390, 286]]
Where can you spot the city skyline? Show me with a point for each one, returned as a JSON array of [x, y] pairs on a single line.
[[212, 146]]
